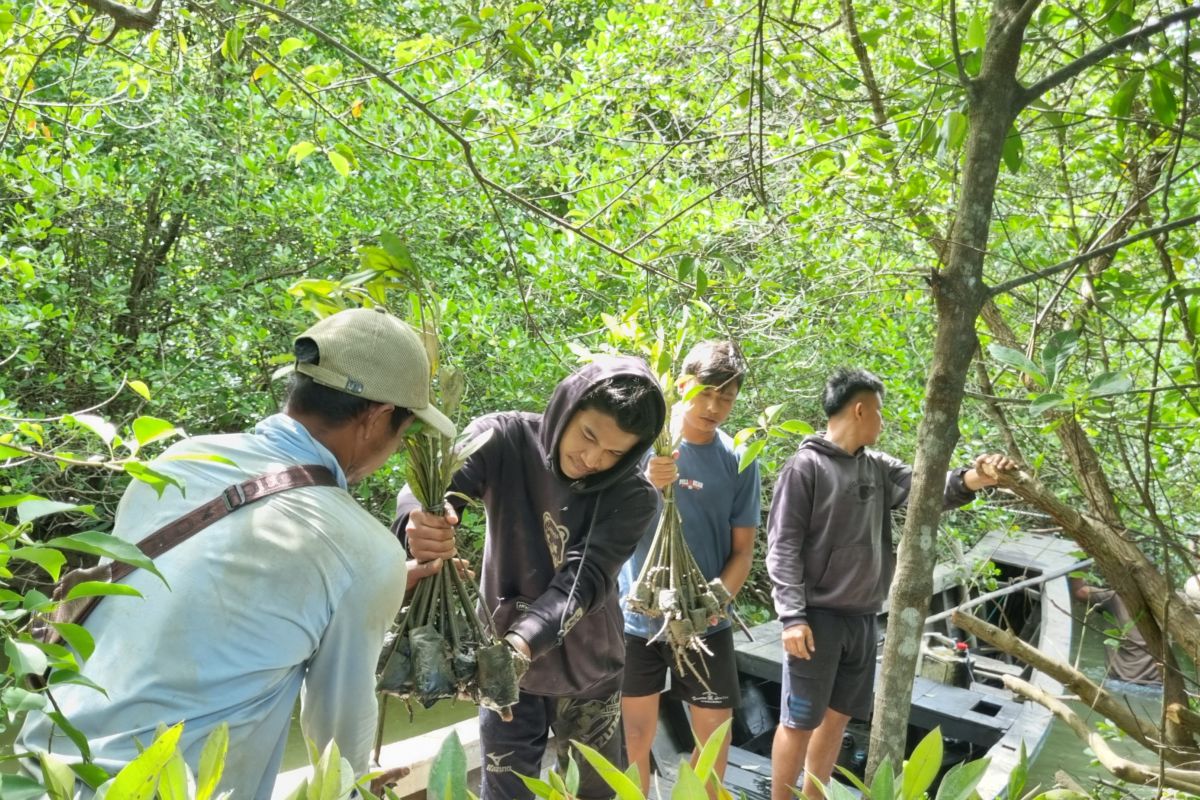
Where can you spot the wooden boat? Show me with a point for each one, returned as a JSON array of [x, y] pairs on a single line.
[[965, 698], [978, 718]]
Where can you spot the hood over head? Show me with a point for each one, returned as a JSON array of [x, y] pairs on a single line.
[[565, 402]]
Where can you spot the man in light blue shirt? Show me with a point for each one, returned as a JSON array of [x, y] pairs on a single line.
[[289, 595]]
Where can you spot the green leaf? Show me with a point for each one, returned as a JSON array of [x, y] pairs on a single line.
[[101, 589], [174, 779], [25, 658], [1162, 99], [750, 453], [742, 436], [29, 510], [448, 773], [10, 500], [74, 734], [768, 415], [701, 280], [77, 637], [339, 162], [97, 425], [835, 790], [212, 761], [1120, 20], [710, 750], [976, 36], [1014, 150], [883, 784], [960, 782], [539, 787], [301, 150], [60, 780], [1109, 383], [683, 270], [151, 429], [231, 46], [11, 452], [519, 48], [863, 789], [141, 388], [527, 8], [158, 481], [104, 545], [922, 766], [954, 130], [395, 247], [16, 699], [140, 776], [48, 559], [466, 26], [688, 785], [617, 780], [1043, 403], [1019, 775], [796, 426], [90, 774], [572, 777], [290, 45], [1015, 358], [1122, 100], [1057, 352], [556, 782]]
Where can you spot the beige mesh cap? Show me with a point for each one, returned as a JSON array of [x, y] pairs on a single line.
[[371, 354]]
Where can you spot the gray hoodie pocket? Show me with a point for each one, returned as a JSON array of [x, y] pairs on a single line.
[[850, 579]]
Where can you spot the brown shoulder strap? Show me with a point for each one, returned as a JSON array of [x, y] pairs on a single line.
[[228, 501]]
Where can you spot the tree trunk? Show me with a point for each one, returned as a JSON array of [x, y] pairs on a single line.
[[959, 293]]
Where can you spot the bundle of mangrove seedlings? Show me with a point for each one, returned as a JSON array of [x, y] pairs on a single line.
[[438, 648], [671, 586]]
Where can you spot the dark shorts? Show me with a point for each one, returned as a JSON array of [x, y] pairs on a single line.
[[647, 665], [840, 675]]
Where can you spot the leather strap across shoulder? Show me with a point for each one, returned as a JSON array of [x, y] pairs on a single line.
[[228, 501]]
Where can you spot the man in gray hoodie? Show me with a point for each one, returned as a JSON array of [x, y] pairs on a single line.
[[829, 555], [566, 505]]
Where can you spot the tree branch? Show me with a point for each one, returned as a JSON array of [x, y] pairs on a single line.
[[1104, 51], [1185, 780], [1063, 266], [1140, 728], [127, 17], [959, 67], [1145, 591]]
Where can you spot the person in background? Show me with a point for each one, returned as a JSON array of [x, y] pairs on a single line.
[[719, 509], [289, 595], [1130, 666], [565, 506], [829, 556]]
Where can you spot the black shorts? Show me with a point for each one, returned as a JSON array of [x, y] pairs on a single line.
[[840, 675], [647, 665]]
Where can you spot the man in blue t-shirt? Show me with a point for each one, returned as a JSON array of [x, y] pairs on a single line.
[[719, 508]]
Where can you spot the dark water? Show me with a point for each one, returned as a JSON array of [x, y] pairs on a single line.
[[1065, 751]]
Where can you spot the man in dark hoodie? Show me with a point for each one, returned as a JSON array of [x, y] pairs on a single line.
[[830, 559], [566, 506]]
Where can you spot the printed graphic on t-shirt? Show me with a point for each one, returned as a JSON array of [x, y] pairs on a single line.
[[556, 539], [691, 483]]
